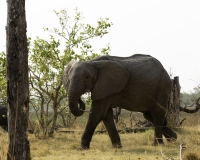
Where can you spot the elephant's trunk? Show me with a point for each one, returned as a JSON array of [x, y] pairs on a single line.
[[74, 100], [192, 108]]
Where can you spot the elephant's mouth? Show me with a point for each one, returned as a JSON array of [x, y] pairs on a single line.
[[81, 105]]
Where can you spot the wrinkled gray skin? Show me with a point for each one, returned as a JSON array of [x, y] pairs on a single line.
[[137, 83]]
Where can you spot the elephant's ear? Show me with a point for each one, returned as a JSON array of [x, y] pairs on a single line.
[[65, 78], [112, 78]]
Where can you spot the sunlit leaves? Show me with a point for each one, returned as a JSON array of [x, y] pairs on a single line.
[[45, 65], [78, 35]]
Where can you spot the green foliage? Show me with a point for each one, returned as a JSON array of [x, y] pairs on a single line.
[[47, 61], [3, 78], [78, 34], [190, 98], [46, 70], [46, 66]]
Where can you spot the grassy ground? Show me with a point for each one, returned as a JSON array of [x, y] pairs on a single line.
[[135, 146]]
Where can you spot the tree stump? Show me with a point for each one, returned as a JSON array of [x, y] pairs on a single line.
[[174, 104]]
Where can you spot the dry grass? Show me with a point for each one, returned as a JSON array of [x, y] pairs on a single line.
[[135, 146], [3, 145]]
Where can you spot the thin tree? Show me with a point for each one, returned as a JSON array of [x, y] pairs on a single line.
[[17, 81]]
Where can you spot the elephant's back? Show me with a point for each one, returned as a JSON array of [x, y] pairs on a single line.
[[144, 66], [144, 70], [140, 66], [147, 71], [147, 82], [147, 85]]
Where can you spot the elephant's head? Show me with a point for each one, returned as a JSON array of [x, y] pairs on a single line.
[[101, 78]]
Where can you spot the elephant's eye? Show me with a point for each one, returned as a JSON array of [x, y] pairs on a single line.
[[86, 77]]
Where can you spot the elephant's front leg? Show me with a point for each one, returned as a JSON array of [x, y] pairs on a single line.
[[97, 113], [91, 125], [111, 128]]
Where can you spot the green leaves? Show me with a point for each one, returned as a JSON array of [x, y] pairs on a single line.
[[77, 35], [45, 65]]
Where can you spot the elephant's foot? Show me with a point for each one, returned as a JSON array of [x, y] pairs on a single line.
[[81, 148], [85, 145], [169, 135], [171, 139], [117, 145]]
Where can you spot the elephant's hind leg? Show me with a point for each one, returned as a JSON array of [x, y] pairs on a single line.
[[168, 133], [158, 115], [157, 125], [111, 128]]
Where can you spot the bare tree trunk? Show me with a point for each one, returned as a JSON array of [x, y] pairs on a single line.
[[55, 115], [42, 118], [63, 118], [17, 81], [174, 104]]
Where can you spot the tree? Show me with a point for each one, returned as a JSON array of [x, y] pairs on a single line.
[[17, 81], [45, 78], [47, 62], [78, 34]]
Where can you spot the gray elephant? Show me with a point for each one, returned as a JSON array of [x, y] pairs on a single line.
[[136, 83]]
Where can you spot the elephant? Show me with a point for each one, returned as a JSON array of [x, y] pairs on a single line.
[[136, 83], [3, 117]]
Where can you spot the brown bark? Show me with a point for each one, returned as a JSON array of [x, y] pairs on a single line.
[[174, 104], [55, 115], [17, 81]]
